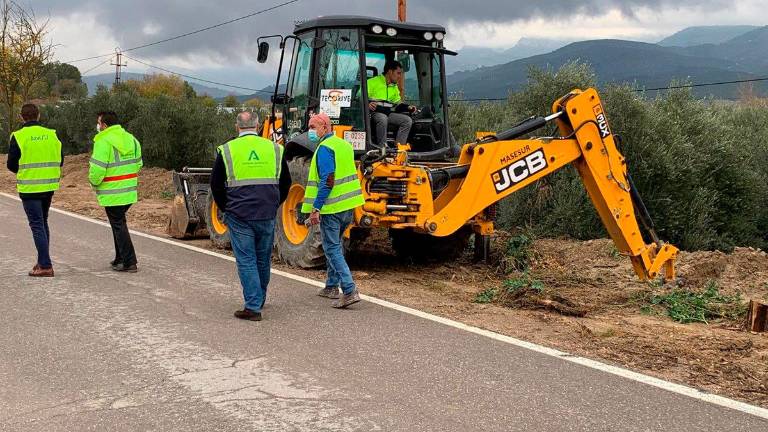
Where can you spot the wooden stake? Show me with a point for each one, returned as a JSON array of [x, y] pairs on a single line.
[[757, 316]]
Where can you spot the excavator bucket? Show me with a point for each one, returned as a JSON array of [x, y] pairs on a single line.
[[190, 203]]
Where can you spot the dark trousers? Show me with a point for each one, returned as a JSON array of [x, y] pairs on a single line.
[[37, 215], [124, 252]]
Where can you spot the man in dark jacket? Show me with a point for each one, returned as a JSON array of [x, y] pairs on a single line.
[[36, 157], [249, 181]]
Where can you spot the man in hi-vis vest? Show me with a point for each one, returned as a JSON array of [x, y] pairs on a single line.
[[333, 192], [249, 181], [35, 156], [114, 175]]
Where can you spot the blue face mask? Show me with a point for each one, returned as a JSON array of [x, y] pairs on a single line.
[[312, 134]]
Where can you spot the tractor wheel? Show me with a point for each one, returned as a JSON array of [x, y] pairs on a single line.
[[217, 228], [297, 245], [423, 248]]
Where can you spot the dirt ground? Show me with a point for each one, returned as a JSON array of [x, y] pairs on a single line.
[[719, 357]]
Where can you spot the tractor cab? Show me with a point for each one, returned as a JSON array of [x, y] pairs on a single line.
[[330, 64]]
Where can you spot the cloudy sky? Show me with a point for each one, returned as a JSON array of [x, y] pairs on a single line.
[[83, 28]]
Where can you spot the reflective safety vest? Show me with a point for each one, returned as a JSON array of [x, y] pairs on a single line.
[[251, 160], [379, 89], [40, 163], [346, 193], [114, 167]]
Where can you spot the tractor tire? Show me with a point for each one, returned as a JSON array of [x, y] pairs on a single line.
[[217, 228], [296, 244], [424, 248]]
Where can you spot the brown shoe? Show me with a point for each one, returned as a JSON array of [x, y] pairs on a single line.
[[120, 267], [247, 314], [38, 271], [329, 292], [346, 300]]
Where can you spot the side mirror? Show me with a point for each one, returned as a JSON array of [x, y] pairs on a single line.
[[263, 52], [281, 99]]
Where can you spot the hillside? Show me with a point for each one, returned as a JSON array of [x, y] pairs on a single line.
[[614, 61], [472, 57], [702, 35], [748, 51], [107, 79]]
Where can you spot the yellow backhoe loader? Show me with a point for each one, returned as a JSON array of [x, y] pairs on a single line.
[[431, 194]]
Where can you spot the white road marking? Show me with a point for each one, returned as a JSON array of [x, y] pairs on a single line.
[[615, 370]]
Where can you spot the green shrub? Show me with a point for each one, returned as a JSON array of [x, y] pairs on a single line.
[[686, 306]]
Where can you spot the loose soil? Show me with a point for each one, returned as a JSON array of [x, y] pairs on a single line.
[[719, 357]]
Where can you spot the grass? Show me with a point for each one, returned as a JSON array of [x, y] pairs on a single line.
[[519, 253], [486, 296], [686, 306], [513, 284], [167, 195]]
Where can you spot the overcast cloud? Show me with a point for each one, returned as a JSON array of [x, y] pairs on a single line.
[[88, 27]]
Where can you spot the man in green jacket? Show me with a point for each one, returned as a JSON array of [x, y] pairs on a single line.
[[114, 175], [35, 156], [384, 89]]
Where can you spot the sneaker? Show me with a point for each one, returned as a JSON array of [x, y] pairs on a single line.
[[346, 300], [38, 271], [120, 267], [114, 262], [329, 292], [247, 314]]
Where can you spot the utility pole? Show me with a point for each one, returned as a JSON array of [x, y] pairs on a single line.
[[118, 64]]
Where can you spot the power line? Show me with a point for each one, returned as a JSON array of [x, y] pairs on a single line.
[[704, 84], [277, 6], [100, 64], [197, 78]]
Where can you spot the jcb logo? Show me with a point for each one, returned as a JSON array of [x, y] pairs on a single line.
[[602, 122], [518, 171]]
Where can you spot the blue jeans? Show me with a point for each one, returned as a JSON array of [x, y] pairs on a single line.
[[332, 227], [37, 215], [252, 243]]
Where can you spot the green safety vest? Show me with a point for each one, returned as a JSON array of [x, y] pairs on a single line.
[[40, 163], [346, 193], [114, 167], [251, 160], [379, 89]]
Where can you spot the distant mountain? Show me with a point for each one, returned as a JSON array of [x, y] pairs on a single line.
[[107, 79], [693, 36], [471, 57], [614, 61], [748, 51]]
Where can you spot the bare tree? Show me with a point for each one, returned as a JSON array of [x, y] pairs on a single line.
[[24, 51]]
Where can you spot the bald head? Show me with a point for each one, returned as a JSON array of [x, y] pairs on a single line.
[[247, 120], [321, 123]]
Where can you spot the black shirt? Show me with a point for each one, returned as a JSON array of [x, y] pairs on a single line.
[[14, 156]]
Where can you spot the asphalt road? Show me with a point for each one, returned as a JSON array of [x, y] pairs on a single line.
[[159, 350]]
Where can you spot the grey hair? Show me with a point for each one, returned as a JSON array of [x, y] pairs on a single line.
[[247, 120]]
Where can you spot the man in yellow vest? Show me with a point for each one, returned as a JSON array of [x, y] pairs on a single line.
[[35, 156], [333, 192], [383, 89], [114, 174], [249, 181]]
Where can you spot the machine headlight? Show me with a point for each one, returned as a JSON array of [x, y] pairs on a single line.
[[428, 35], [439, 36], [377, 29], [391, 32]]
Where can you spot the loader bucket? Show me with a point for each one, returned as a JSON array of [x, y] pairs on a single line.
[[187, 218]]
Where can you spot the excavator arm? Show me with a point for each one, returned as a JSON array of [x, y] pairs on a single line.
[[501, 165]]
